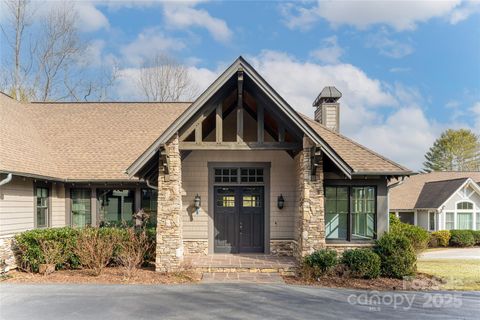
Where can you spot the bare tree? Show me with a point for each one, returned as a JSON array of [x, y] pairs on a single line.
[[163, 79], [57, 54], [19, 15], [49, 61]]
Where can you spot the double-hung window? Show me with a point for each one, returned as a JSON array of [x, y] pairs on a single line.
[[449, 220], [350, 212], [42, 207]]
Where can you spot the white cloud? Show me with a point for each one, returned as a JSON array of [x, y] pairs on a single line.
[[476, 114], [182, 15], [388, 46], [388, 118], [464, 11], [148, 43], [90, 18], [330, 52], [400, 15]]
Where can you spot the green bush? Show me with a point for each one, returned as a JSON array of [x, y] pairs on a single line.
[[321, 262], [440, 238], [362, 263], [397, 255], [476, 236], [29, 254], [417, 235], [462, 238]]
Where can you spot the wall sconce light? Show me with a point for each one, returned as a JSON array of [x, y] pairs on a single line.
[[280, 202], [197, 202]]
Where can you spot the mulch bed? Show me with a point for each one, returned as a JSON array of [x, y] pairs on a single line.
[[419, 282], [109, 276]]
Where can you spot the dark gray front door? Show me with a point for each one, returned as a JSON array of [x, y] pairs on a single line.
[[239, 219]]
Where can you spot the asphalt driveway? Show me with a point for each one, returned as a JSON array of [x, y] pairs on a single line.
[[239, 301], [451, 253]]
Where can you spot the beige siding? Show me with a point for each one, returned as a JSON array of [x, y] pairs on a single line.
[[282, 181], [58, 205], [16, 206]]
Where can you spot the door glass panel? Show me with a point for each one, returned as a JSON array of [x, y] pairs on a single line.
[[226, 197], [252, 197]]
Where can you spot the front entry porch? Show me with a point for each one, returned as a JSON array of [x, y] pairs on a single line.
[[240, 263]]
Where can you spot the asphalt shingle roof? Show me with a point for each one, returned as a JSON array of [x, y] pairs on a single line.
[[406, 195], [98, 141]]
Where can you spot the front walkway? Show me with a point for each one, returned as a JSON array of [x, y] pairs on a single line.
[[451, 253], [241, 263]]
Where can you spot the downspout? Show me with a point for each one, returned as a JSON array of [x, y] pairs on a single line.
[[7, 179], [150, 185]]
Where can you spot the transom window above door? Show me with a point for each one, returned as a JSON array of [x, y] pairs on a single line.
[[239, 175]]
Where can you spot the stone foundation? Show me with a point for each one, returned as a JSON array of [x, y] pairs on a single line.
[[284, 248], [7, 257], [195, 247], [341, 247]]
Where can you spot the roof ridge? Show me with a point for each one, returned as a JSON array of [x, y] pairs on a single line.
[[107, 102], [435, 181], [357, 144]]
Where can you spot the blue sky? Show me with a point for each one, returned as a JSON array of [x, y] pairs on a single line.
[[407, 70]]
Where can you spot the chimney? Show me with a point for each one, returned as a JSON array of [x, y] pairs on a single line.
[[328, 108]]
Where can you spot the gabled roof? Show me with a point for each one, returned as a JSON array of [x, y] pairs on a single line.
[[406, 195], [372, 163], [435, 193], [98, 141], [79, 141]]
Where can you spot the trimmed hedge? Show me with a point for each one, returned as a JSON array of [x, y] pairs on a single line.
[[362, 263], [476, 236], [462, 238], [397, 255], [440, 238], [417, 235], [29, 254], [321, 262]]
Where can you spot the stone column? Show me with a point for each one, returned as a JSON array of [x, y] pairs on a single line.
[[169, 252], [310, 215]]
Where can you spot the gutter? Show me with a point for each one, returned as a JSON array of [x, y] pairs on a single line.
[[149, 185], [7, 179]]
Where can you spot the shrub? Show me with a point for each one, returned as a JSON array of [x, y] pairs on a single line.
[[96, 247], [362, 263], [417, 235], [320, 262], [30, 255], [53, 254], [397, 255], [462, 238], [440, 238], [132, 251], [476, 236]]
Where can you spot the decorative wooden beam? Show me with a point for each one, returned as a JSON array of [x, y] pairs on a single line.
[[198, 133], [281, 133], [239, 146], [240, 106], [260, 124], [219, 124]]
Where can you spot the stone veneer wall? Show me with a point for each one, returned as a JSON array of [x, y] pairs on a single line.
[[341, 247], [195, 247], [169, 251], [282, 247], [310, 216], [7, 257]]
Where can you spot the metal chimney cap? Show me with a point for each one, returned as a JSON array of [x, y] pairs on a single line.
[[328, 94]]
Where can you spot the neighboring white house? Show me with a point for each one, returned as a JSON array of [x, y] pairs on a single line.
[[438, 200]]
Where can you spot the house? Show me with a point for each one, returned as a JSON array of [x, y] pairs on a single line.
[[236, 171], [438, 200]]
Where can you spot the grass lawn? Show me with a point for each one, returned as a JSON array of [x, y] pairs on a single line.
[[459, 274]]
